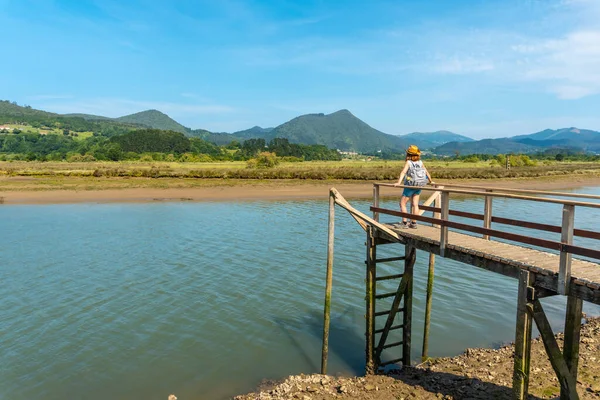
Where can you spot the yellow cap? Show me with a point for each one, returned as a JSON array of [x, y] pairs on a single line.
[[413, 150]]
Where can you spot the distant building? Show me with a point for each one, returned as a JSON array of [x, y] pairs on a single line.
[[347, 153], [5, 127]]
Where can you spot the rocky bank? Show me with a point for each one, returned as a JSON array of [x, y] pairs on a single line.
[[476, 374]]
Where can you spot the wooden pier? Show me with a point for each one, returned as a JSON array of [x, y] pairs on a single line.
[[542, 267]]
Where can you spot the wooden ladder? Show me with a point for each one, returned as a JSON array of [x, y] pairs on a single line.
[[402, 303]]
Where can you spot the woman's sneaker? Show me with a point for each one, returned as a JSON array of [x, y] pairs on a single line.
[[412, 225], [402, 225]]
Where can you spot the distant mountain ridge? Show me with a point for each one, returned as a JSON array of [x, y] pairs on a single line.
[[430, 140], [567, 138], [341, 130]]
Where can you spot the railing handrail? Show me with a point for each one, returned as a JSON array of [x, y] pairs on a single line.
[[481, 192], [515, 237], [530, 191], [508, 221]]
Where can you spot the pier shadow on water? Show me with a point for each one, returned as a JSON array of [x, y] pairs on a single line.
[[348, 346], [344, 342]]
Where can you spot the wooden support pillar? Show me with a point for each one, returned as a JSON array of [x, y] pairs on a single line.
[[328, 284], [428, 299], [566, 236], [523, 337], [409, 262], [376, 201], [437, 203], [572, 337], [370, 300], [445, 206], [567, 382], [487, 214]]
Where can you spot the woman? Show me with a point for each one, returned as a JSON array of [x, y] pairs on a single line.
[[414, 174]]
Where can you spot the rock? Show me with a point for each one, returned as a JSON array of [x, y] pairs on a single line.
[[369, 387]]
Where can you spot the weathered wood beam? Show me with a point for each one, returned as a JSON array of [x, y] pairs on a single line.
[[522, 357], [568, 384], [409, 263], [428, 299], [328, 284], [370, 367], [445, 206], [376, 201], [487, 214], [572, 336], [566, 237]]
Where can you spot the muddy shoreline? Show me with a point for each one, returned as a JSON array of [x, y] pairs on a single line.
[[219, 190], [476, 374]]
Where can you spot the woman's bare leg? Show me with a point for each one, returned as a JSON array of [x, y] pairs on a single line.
[[414, 205], [403, 202]]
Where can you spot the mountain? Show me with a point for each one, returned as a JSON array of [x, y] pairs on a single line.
[[154, 119], [430, 140], [254, 132], [12, 109], [87, 117], [565, 138], [339, 130], [485, 146], [584, 139]]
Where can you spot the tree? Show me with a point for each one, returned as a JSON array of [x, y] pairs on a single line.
[[559, 157]]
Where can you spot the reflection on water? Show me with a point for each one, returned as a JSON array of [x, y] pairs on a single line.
[[138, 301]]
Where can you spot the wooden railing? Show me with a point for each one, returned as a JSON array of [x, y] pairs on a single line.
[[442, 213]]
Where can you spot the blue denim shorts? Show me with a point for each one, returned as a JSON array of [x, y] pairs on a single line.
[[411, 192]]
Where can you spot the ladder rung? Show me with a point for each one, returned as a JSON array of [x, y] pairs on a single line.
[[387, 346], [391, 329], [382, 260], [377, 314], [383, 296], [385, 278], [390, 362]]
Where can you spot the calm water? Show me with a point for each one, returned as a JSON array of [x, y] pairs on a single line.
[[204, 300]]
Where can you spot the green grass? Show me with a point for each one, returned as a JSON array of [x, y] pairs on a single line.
[[317, 170], [48, 131]]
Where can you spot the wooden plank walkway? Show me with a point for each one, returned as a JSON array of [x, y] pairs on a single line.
[[508, 259]]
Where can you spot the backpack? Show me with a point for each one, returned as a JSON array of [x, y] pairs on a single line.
[[416, 175]]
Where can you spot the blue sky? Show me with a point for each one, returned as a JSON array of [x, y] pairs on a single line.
[[483, 68]]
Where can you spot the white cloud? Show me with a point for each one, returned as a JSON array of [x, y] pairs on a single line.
[[569, 66]]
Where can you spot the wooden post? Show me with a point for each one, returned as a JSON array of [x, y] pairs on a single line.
[[437, 203], [430, 276], [566, 236], [568, 385], [487, 214], [376, 201], [370, 300], [409, 262], [522, 338], [572, 336], [328, 284], [445, 206]]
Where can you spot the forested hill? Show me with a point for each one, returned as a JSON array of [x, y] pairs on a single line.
[[154, 119], [10, 109], [339, 130]]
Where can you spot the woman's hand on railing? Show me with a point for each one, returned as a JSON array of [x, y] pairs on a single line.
[[398, 183]]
